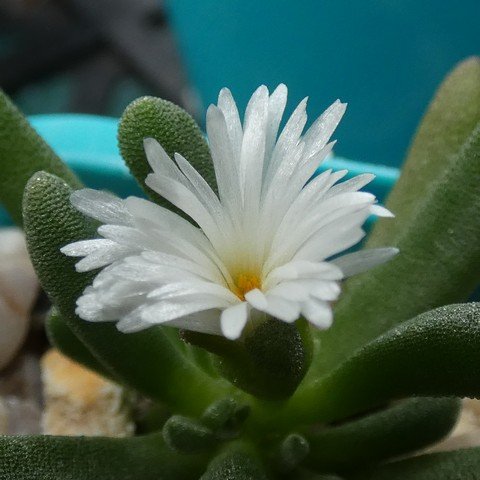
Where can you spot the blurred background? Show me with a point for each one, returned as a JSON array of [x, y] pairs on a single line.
[[384, 57]]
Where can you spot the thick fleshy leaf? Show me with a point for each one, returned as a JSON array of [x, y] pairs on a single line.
[[236, 462], [291, 452], [436, 226], [151, 361], [404, 427], [187, 436], [456, 465], [269, 363], [22, 153], [438, 262], [94, 458], [225, 417], [173, 128], [434, 354], [448, 123]]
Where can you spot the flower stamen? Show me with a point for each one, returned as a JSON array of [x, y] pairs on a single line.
[[246, 282]]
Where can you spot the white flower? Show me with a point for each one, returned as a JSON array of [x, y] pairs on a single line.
[[263, 244]]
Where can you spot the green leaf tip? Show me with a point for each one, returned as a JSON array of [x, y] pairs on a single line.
[[173, 128], [225, 417], [187, 436], [450, 119], [22, 153], [292, 451]]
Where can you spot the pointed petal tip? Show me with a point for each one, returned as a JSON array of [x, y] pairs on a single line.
[[256, 299], [224, 95], [151, 147], [230, 335], [212, 108], [380, 211], [214, 113], [149, 141], [233, 320], [281, 88], [224, 91], [261, 92]]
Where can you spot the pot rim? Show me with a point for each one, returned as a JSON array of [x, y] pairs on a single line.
[[88, 144]]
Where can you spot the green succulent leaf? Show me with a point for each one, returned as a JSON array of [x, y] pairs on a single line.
[[268, 362], [173, 128], [62, 337], [236, 462], [185, 435], [149, 361], [456, 465], [22, 153], [93, 458], [225, 417], [434, 354], [399, 429], [438, 263], [292, 451], [448, 123]]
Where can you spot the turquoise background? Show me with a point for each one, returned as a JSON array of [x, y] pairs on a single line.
[[384, 57]]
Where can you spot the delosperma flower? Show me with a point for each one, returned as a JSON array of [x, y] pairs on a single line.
[[244, 247], [264, 245]]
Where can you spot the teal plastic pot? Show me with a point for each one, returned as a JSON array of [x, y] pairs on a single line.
[[89, 145], [384, 57]]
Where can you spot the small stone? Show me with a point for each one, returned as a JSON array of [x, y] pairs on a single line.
[[466, 433], [18, 291], [80, 402], [3, 417]]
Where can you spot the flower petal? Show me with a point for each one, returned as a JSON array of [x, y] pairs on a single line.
[[103, 206], [160, 162], [256, 299], [233, 320], [283, 309], [363, 260], [318, 313], [227, 105], [323, 127]]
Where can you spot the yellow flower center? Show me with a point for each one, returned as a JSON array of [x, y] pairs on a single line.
[[246, 282]]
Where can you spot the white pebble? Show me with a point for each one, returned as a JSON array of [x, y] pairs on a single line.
[[18, 291]]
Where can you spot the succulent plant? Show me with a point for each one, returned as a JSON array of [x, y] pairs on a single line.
[[284, 400]]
